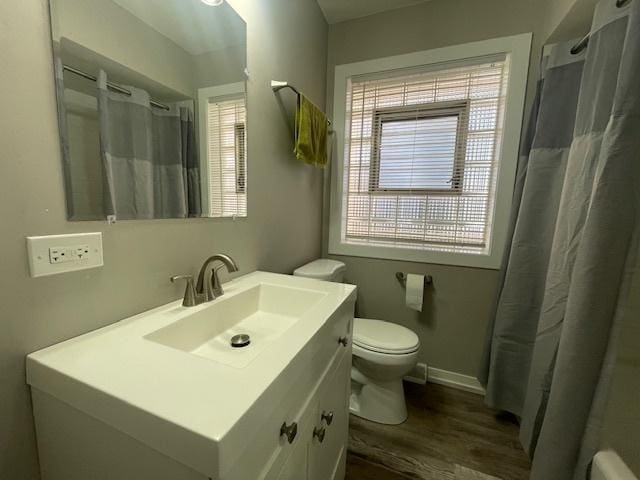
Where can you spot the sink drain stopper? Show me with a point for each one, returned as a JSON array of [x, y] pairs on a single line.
[[240, 340]]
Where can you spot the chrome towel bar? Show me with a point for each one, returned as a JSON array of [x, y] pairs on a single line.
[[277, 85]]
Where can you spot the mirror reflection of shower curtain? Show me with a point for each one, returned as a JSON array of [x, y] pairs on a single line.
[[149, 157], [574, 247], [64, 136]]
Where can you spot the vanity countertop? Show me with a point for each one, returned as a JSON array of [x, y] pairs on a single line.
[[182, 404]]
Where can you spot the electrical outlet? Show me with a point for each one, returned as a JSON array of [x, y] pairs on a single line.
[[53, 254], [68, 254], [82, 252], [58, 255]]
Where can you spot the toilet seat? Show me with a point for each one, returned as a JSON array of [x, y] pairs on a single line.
[[385, 359], [384, 338]]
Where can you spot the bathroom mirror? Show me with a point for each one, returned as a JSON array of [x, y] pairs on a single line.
[[151, 108]]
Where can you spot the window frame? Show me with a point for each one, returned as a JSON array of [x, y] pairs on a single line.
[[517, 50], [459, 109]]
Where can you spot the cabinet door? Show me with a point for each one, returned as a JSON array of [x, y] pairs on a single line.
[[295, 468], [327, 457], [292, 464]]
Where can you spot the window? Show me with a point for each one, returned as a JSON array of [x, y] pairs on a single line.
[[421, 157], [419, 148], [423, 174], [226, 156]]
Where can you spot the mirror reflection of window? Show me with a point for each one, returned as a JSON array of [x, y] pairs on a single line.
[[226, 155]]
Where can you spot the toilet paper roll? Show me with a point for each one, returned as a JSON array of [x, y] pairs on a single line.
[[415, 291]]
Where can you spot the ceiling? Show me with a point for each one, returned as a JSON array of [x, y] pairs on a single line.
[[336, 11], [196, 27]]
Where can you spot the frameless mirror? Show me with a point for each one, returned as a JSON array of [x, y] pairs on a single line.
[[152, 109]]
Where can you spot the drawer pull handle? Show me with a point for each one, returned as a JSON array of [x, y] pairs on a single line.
[[319, 433], [327, 417], [344, 341], [290, 431]]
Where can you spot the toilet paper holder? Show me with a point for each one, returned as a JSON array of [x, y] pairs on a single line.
[[402, 278]]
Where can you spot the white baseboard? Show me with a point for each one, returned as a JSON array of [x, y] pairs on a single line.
[[455, 380], [422, 374]]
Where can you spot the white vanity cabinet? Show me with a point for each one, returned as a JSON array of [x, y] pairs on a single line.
[[159, 396]]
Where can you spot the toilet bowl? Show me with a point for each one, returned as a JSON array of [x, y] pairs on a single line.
[[383, 353]]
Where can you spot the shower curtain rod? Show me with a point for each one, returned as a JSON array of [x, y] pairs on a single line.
[[582, 44], [112, 86], [277, 85]]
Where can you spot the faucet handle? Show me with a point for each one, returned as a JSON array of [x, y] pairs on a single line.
[[189, 299]]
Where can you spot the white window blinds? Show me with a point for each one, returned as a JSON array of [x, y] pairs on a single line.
[[226, 157], [421, 158]]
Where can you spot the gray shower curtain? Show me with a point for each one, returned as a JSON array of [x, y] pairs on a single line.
[[574, 243], [149, 157], [541, 173]]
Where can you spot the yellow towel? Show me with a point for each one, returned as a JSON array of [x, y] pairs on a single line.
[[311, 133]]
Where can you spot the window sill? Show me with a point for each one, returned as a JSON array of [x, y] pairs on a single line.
[[491, 261]]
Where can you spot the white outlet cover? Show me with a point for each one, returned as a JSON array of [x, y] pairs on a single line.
[[38, 253]]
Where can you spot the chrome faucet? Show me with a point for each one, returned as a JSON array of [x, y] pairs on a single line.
[[206, 289], [213, 288]]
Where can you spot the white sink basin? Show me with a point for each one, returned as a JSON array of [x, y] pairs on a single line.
[[264, 312]]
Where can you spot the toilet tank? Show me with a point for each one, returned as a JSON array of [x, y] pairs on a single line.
[[322, 269]]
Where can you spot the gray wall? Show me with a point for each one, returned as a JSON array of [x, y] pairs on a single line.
[[286, 40], [99, 27], [568, 19], [219, 66], [456, 309], [452, 327]]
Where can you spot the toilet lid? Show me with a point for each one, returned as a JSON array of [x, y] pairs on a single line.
[[384, 337]]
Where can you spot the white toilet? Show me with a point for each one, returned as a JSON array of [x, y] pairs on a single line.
[[383, 353]]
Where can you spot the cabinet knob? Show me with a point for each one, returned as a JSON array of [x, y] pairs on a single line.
[[319, 433], [344, 341], [290, 431], [327, 417]]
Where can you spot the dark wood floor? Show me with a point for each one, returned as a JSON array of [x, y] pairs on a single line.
[[449, 435]]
